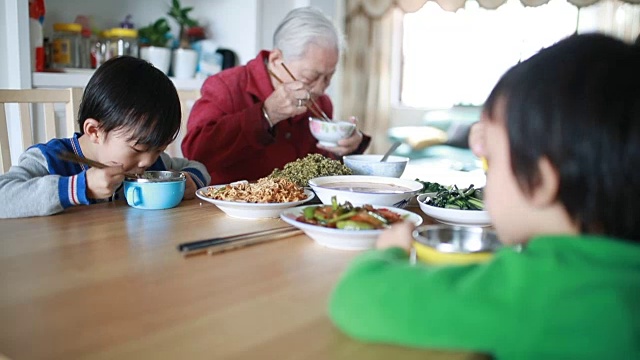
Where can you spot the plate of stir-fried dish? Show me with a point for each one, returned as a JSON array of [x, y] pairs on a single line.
[[345, 226]]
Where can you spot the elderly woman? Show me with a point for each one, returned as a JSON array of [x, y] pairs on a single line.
[[252, 119]]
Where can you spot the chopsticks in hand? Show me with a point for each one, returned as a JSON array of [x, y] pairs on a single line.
[[314, 108], [72, 157], [324, 116]]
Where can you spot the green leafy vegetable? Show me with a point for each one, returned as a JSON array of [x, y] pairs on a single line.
[[429, 187], [460, 199], [313, 165]]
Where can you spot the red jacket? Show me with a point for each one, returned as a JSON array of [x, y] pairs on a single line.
[[228, 134]]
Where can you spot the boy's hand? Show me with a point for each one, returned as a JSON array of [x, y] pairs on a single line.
[[102, 183], [399, 235], [189, 188]]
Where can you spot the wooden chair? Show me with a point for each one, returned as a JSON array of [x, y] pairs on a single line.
[[71, 97], [187, 98]]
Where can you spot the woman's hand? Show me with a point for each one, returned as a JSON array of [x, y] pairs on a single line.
[[348, 145], [287, 100], [189, 188], [102, 183], [398, 235]]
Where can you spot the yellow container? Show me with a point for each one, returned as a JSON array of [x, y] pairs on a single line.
[[432, 256], [444, 244], [66, 45], [123, 42]]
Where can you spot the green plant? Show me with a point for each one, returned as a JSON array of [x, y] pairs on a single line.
[[181, 15], [155, 34]]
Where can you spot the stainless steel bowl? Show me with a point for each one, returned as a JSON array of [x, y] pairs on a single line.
[[158, 176], [445, 244], [457, 239]]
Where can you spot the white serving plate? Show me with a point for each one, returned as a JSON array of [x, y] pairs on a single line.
[[342, 239], [245, 210], [396, 199], [454, 216]]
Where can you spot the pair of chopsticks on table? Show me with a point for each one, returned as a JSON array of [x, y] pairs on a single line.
[[225, 243], [72, 157], [315, 109]]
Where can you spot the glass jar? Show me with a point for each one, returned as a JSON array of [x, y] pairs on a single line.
[[66, 45], [123, 42], [99, 53]]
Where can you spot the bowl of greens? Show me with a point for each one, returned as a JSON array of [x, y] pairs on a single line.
[[454, 206]]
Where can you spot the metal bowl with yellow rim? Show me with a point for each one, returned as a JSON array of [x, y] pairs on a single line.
[[444, 244]]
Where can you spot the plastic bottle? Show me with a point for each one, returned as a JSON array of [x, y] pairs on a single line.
[[36, 18]]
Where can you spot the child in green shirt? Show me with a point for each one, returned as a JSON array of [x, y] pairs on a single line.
[[561, 134]]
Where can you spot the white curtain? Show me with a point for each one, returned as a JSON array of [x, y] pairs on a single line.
[[370, 27]]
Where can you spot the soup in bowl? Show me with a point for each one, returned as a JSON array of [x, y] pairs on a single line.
[[364, 189]]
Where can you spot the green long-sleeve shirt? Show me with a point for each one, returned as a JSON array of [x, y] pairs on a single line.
[[562, 297]]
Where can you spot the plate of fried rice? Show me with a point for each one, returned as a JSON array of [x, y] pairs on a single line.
[[266, 198]]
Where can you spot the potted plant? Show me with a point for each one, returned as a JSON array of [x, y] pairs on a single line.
[[185, 60], [181, 16], [155, 34], [153, 41]]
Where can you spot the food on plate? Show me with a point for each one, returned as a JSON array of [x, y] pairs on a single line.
[[348, 217], [431, 187], [367, 187], [460, 199], [265, 190], [309, 167]]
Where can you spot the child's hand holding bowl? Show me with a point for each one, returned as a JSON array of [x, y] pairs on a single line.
[[398, 235], [190, 187]]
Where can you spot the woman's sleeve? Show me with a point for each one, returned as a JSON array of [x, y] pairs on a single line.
[[222, 129]]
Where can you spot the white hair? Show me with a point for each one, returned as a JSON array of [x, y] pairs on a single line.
[[303, 26]]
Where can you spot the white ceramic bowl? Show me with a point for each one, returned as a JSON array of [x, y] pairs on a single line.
[[245, 210], [342, 239], [329, 132], [364, 189], [454, 216], [371, 165]]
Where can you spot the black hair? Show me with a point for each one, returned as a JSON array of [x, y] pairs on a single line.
[[577, 103], [127, 93]]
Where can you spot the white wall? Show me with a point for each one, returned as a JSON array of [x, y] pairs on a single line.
[[230, 23], [15, 66], [244, 26]]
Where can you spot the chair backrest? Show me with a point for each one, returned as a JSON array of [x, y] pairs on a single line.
[[71, 97], [187, 98]]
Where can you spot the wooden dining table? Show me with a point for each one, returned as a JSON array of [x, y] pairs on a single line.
[[106, 281]]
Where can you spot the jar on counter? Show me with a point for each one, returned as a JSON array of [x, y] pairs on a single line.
[[123, 42], [100, 49], [66, 45]]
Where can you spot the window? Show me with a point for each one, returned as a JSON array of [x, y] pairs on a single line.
[[456, 58]]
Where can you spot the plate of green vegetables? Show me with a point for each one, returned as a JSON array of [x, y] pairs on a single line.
[[455, 206]]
